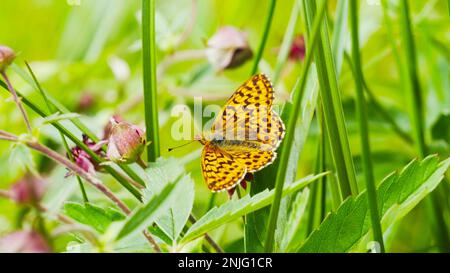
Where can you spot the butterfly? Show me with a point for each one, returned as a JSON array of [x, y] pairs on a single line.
[[244, 136]]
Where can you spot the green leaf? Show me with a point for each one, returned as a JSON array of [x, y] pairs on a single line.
[[59, 117], [441, 128], [348, 228], [257, 222], [235, 209], [160, 173], [151, 210], [294, 228], [340, 34], [92, 215]]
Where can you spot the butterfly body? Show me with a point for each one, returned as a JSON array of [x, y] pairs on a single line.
[[243, 137]]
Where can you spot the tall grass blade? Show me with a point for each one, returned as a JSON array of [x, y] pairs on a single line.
[[332, 107], [289, 137], [363, 123], [149, 77], [263, 41]]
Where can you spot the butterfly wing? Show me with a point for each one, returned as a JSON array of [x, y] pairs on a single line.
[[219, 169], [253, 159], [248, 114]]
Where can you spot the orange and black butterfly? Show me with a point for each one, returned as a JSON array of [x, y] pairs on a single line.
[[244, 136]]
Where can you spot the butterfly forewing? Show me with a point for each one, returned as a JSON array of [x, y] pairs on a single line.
[[248, 114]]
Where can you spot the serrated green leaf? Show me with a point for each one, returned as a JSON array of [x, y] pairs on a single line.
[[348, 228], [237, 208], [92, 215], [151, 210], [166, 171], [291, 237]]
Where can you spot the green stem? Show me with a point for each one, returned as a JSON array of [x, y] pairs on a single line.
[[36, 108], [316, 205], [287, 42], [263, 42], [363, 127], [54, 103], [413, 85], [332, 107], [340, 34], [17, 102], [413, 90], [64, 141], [378, 107], [149, 77], [289, 138], [83, 128]]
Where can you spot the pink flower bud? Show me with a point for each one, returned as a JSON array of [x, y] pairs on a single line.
[[24, 242], [298, 49], [126, 142], [83, 159], [29, 187], [228, 48], [7, 56]]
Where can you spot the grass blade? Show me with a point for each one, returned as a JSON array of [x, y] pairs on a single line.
[[364, 127], [413, 90], [63, 138], [37, 109], [332, 107], [149, 77], [263, 42], [289, 138], [287, 41]]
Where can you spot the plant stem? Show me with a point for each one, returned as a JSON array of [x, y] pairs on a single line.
[[287, 41], [64, 141], [208, 238], [149, 78], [340, 33], [123, 181], [379, 107], [413, 85], [82, 173], [263, 41], [72, 166], [289, 137], [332, 107], [5, 194], [18, 102], [413, 90], [363, 128], [37, 109]]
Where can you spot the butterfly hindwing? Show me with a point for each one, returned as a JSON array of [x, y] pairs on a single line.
[[253, 159], [219, 169]]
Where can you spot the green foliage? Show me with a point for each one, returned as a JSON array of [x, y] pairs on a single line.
[[124, 49], [292, 235], [235, 209], [397, 194], [145, 215], [161, 173], [89, 214]]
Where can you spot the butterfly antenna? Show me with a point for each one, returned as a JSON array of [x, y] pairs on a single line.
[[182, 145]]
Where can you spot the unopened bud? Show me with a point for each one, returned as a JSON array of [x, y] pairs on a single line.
[[7, 56], [228, 48], [126, 142]]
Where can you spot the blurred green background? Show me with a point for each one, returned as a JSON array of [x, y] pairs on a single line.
[[87, 54]]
